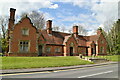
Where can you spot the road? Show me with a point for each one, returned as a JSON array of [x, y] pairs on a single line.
[[104, 71]]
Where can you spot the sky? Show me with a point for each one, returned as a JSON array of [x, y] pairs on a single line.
[[90, 14]]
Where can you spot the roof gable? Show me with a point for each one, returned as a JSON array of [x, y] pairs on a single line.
[[22, 21]]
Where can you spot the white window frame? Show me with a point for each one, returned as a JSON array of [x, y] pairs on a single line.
[[24, 46], [25, 31]]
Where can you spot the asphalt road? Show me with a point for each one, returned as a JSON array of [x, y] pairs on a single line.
[[104, 71]]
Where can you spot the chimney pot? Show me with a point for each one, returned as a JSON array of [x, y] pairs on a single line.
[[12, 13], [75, 30], [49, 26]]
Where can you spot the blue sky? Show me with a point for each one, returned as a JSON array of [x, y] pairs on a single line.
[[88, 13], [64, 14]]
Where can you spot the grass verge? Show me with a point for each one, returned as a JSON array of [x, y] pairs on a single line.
[[40, 62], [109, 57]]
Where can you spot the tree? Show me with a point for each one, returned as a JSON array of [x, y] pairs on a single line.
[[82, 30], [37, 19], [113, 38], [63, 28], [4, 45], [56, 28], [3, 26], [3, 33], [108, 24], [70, 30]]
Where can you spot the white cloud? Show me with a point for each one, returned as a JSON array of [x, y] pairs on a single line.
[[24, 5], [54, 6], [103, 11], [91, 32]]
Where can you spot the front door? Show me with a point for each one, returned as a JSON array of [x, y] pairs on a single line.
[[86, 51], [39, 50], [91, 51], [71, 51]]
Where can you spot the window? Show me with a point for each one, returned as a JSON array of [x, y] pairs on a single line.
[[25, 31], [24, 45], [72, 44], [48, 49], [57, 50], [102, 50], [102, 42]]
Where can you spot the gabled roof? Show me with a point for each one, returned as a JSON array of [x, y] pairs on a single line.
[[92, 38], [66, 39], [54, 38], [26, 17], [59, 38]]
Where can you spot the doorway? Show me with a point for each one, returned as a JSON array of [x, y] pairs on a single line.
[[91, 51], [71, 51], [86, 51], [39, 50]]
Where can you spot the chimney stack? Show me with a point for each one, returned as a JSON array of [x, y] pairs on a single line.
[[75, 30], [12, 18], [49, 26]]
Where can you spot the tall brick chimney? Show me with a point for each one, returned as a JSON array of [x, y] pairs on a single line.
[[12, 18], [75, 30], [49, 26]]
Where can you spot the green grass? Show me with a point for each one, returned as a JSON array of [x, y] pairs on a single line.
[[109, 57], [40, 62]]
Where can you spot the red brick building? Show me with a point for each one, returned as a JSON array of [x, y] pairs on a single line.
[[26, 40]]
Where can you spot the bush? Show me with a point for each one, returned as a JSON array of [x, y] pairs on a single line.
[[1, 54]]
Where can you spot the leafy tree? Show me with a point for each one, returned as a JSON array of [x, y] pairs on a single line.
[[4, 45], [3, 33], [113, 38]]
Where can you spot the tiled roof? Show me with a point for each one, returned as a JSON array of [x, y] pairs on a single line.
[[66, 38], [92, 38], [55, 37], [60, 38]]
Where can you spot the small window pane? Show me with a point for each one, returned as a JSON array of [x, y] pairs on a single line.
[[24, 46], [25, 32], [20, 42]]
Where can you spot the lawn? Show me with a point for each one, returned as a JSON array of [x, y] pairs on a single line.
[[109, 57], [40, 62]]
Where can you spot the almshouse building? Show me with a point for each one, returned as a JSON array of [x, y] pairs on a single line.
[[26, 40]]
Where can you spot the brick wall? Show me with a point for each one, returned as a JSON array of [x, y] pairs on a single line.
[[68, 45], [16, 37], [102, 43]]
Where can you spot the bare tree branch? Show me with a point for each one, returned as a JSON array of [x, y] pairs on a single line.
[[3, 26], [56, 28], [37, 19], [81, 30]]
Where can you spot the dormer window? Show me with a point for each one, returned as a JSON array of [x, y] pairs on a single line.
[[25, 31]]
